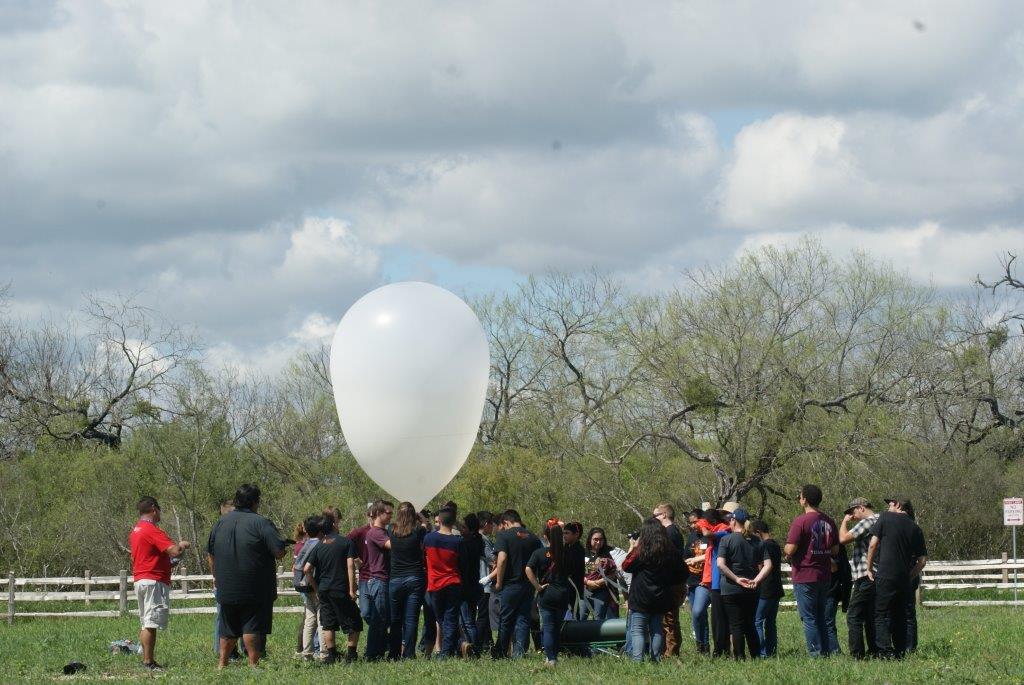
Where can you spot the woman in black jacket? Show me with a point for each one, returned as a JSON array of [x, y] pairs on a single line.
[[656, 566]]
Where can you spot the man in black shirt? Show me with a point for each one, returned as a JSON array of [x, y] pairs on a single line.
[[666, 515], [771, 592], [331, 571], [242, 549], [897, 546], [576, 565], [513, 546]]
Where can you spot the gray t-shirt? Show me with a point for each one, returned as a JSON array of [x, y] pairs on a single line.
[[245, 546], [743, 557]]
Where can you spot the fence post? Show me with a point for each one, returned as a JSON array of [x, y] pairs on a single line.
[[1006, 572], [10, 598], [88, 586], [280, 570], [184, 580], [122, 602], [919, 595]]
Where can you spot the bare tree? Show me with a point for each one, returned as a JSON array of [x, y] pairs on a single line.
[[750, 361], [89, 386], [518, 363]]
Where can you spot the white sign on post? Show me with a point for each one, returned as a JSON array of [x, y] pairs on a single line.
[[1013, 511]]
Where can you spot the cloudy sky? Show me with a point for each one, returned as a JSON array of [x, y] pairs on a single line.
[[252, 168]]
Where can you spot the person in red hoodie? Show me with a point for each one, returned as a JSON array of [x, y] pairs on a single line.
[[152, 551]]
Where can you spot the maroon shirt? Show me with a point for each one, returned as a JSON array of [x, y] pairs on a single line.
[[358, 537], [814, 535], [378, 559]]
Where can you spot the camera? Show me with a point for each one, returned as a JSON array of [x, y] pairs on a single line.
[[635, 535]]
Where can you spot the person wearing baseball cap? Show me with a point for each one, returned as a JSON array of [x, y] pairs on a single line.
[[743, 564], [855, 528], [897, 545]]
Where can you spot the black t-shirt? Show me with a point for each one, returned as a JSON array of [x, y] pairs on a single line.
[[559, 593], [900, 543], [471, 550], [743, 557], [675, 536], [771, 587], [518, 543], [407, 554], [329, 560], [244, 546], [576, 561]]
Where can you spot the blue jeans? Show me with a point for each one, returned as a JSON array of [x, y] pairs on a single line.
[[469, 601], [515, 601], [405, 594], [628, 646], [811, 599], [429, 636], [700, 600], [376, 618], [831, 608], [764, 621], [446, 607], [551, 621], [603, 606], [644, 628]]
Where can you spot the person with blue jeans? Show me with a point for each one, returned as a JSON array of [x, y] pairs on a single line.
[[406, 583], [697, 596], [514, 545], [771, 592], [657, 567], [548, 572], [811, 545], [375, 572], [471, 553], [838, 596], [444, 580], [700, 603]]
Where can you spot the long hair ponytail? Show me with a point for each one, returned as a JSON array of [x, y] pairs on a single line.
[[556, 550]]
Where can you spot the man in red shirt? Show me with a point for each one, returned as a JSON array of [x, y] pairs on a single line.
[[444, 580], [152, 551]]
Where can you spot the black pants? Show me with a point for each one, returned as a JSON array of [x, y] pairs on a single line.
[[484, 637], [891, 616], [719, 624], [860, 619], [741, 610], [912, 615]]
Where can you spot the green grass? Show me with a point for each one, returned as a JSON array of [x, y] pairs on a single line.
[[963, 645]]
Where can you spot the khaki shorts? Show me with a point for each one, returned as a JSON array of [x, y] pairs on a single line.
[[154, 603]]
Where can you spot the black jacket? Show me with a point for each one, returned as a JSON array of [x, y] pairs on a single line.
[[650, 591]]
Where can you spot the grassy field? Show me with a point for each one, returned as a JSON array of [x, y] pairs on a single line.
[[964, 645]]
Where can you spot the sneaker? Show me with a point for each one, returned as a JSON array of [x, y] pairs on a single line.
[[152, 666]]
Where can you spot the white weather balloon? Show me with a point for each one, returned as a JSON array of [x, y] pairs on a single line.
[[409, 365]]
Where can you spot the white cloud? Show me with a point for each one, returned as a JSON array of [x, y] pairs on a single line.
[[567, 207], [928, 252], [179, 148], [959, 167]]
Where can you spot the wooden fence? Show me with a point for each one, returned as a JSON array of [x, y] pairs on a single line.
[[939, 578]]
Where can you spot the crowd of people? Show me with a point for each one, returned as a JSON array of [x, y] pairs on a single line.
[[486, 585]]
